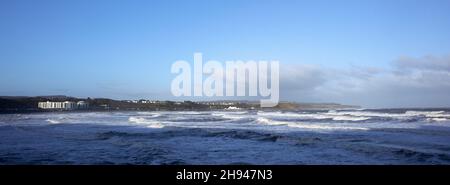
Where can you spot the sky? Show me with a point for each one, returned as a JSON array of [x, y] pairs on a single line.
[[373, 53]]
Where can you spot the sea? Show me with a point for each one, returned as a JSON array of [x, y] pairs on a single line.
[[329, 137]]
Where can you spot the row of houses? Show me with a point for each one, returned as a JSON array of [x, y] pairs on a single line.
[[230, 103], [68, 105], [218, 103], [142, 101]]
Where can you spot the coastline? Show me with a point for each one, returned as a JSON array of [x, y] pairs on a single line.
[[11, 105]]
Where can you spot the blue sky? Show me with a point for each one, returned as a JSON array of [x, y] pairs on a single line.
[[124, 49]]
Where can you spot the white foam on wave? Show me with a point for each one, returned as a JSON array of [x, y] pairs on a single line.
[[431, 116], [325, 127], [349, 118], [145, 122], [370, 114], [188, 112], [414, 112], [266, 121], [150, 114], [293, 115], [437, 119], [280, 114], [235, 117], [52, 121], [345, 116], [358, 115], [230, 115], [336, 116], [428, 114], [91, 118]]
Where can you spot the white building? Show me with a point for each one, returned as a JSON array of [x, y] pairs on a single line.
[[68, 105], [232, 108], [82, 105]]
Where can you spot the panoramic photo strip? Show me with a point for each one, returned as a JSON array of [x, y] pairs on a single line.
[[223, 91]]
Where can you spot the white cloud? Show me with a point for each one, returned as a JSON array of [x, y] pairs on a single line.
[[409, 82]]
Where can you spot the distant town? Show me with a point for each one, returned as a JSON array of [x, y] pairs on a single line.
[[12, 104]]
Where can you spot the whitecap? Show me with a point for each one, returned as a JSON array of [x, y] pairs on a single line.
[[52, 121], [437, 119], [324, 127], [150, 114], [336, 116], [145, 122], [267, 121], [427, 113]]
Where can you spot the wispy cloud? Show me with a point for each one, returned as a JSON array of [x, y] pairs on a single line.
[[408, 82]]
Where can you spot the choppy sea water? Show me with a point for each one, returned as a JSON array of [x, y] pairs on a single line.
[[227, 137]]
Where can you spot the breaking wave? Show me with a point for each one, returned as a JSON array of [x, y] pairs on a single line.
[[267, 121], [53, 121], [227, 137], [316, 116], [360, 116], [145, 122], [150, 114]]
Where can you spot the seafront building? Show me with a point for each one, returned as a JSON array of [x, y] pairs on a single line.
[[67, 105], [82, 105]]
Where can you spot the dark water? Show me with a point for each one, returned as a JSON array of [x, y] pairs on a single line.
[[228, 137]]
